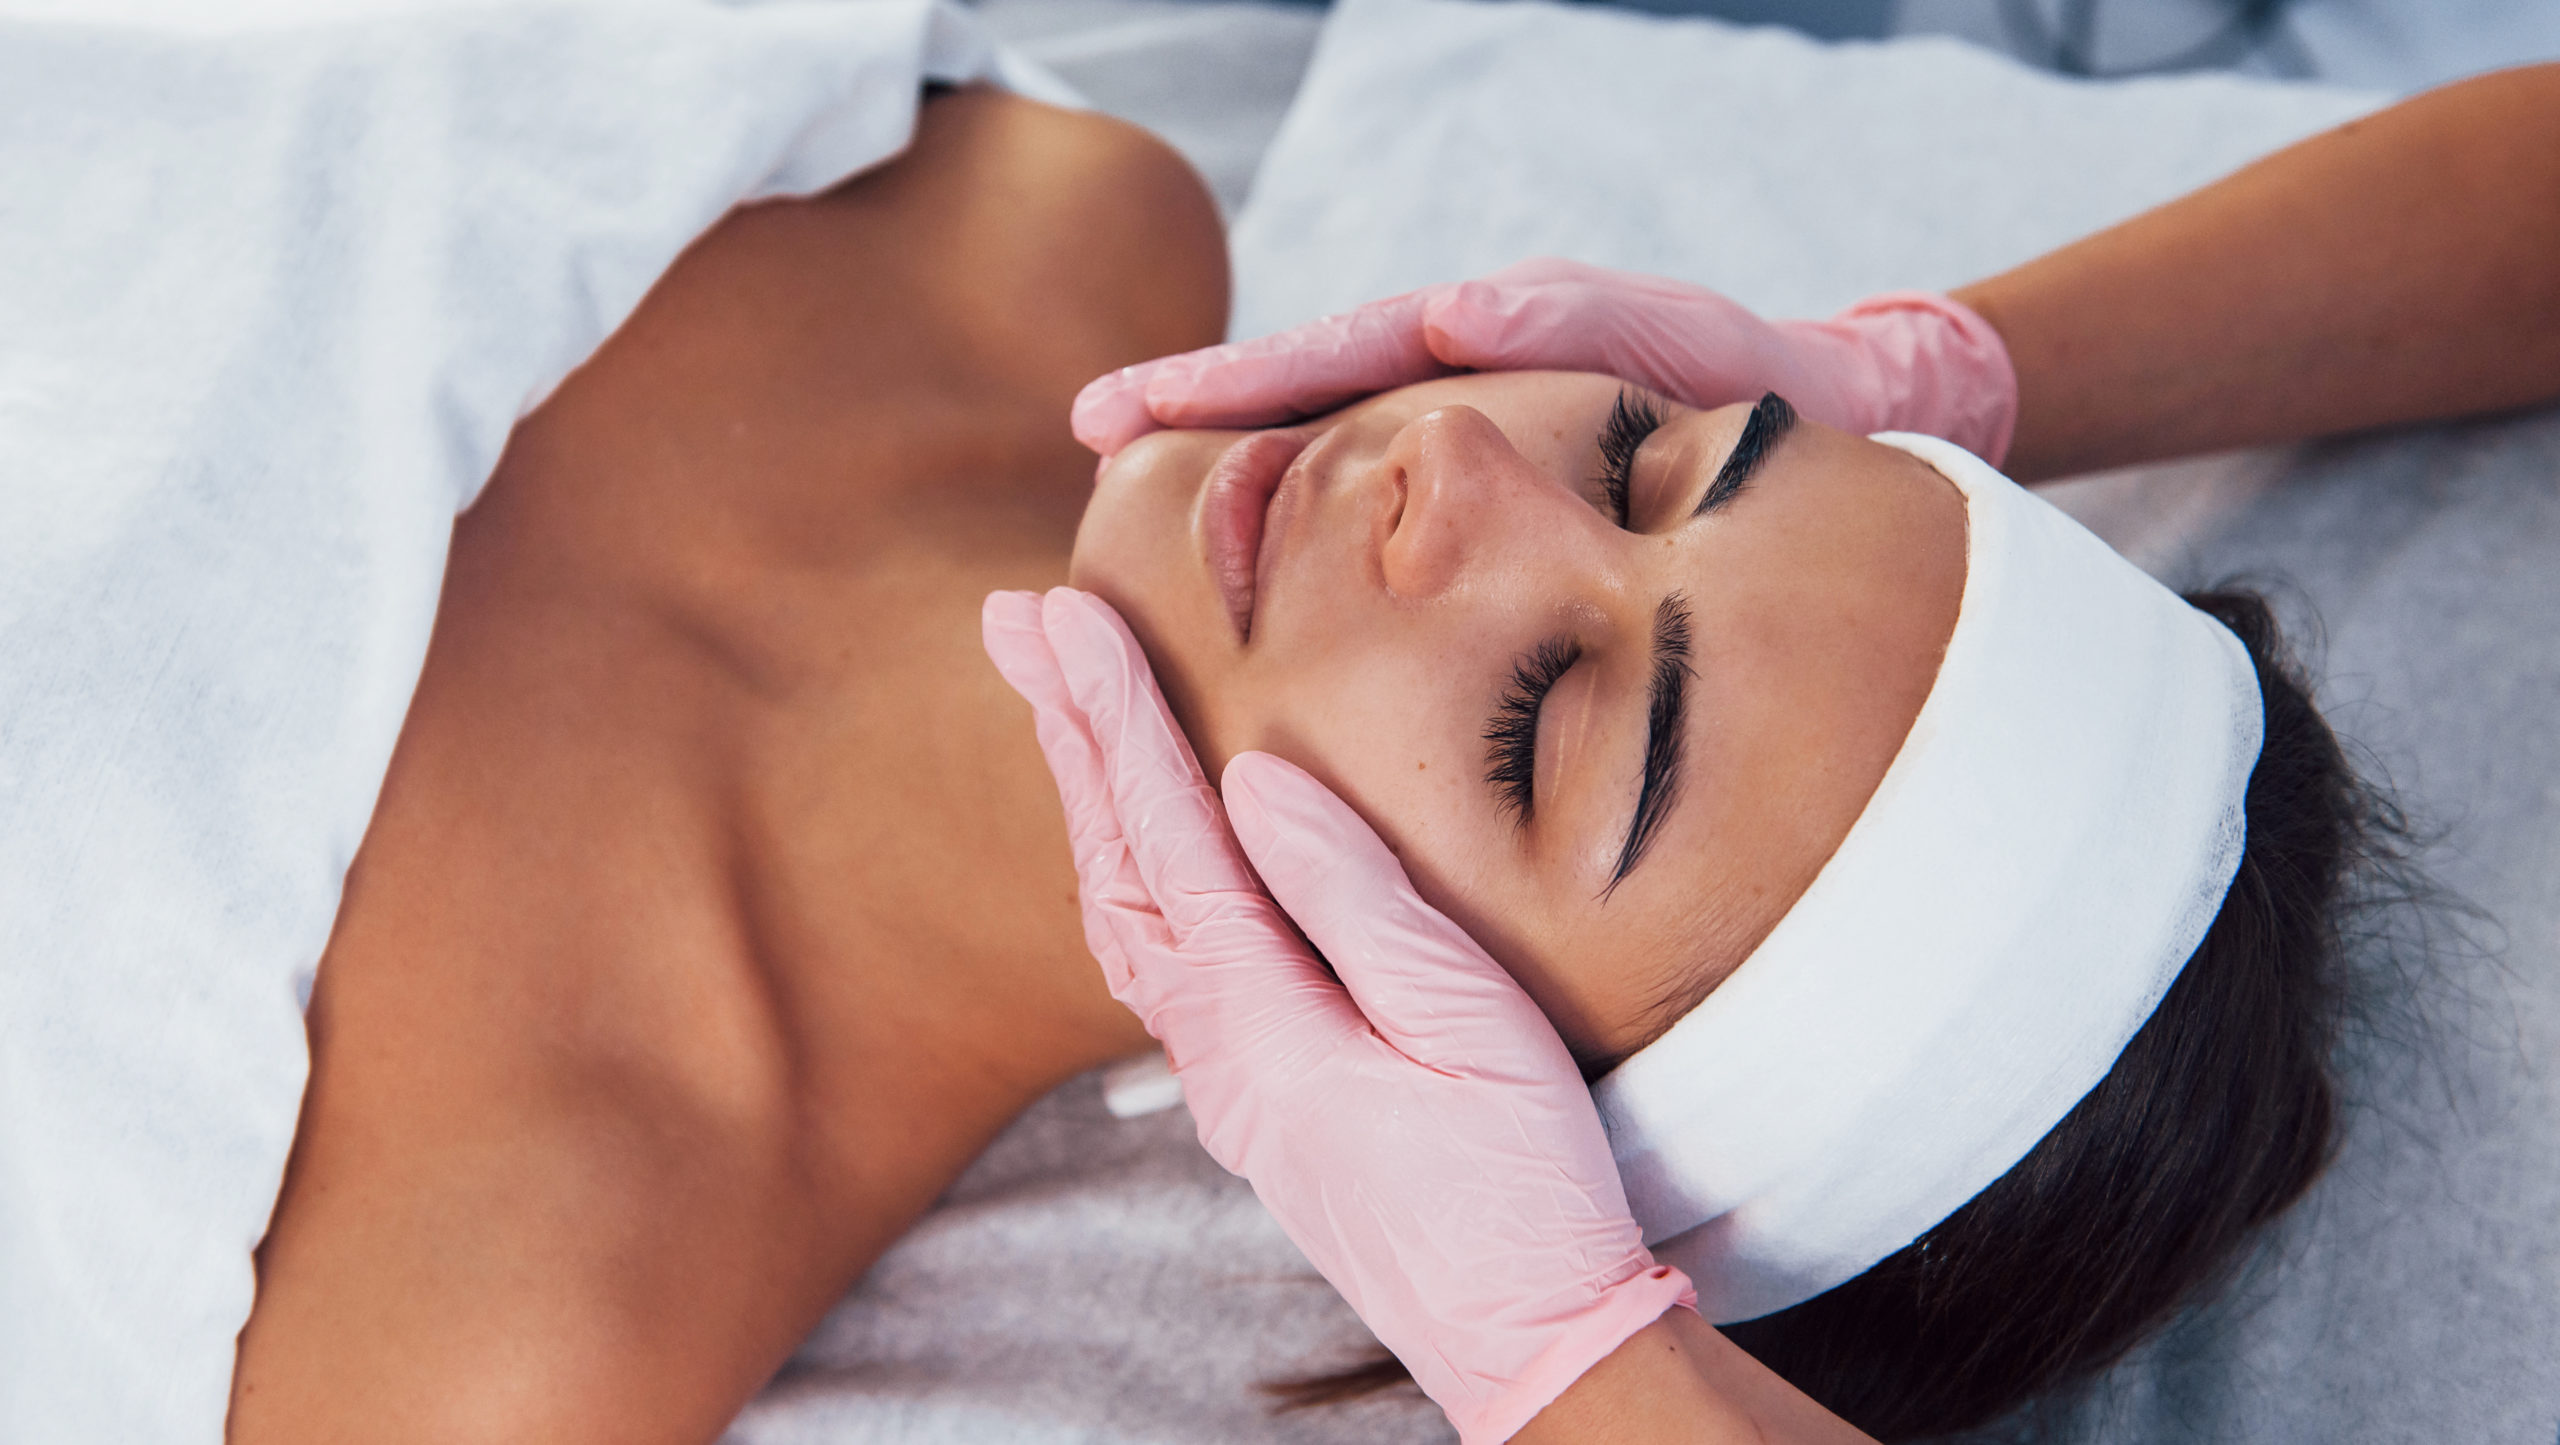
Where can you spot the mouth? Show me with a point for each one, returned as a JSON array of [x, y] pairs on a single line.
[[1235, 503]]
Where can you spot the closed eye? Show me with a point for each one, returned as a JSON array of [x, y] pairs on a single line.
[[1666, 733], [1511, 735], [1768, 425], [1633, 417]]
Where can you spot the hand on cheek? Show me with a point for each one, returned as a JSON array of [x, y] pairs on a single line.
[[1422, 1075]]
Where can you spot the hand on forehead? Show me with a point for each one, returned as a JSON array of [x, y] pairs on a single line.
[[1908, 361]]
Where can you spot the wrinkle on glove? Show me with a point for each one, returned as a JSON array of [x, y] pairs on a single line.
[[1416, 1127]]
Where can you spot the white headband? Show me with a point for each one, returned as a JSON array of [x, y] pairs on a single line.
[[2050, 844]]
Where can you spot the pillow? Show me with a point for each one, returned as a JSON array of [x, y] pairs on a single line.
[[1439, 139]]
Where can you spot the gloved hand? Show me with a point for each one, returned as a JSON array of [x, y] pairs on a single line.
[[1903, 361], [1417, 1128]]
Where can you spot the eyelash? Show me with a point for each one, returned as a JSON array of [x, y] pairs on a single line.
[[1633, 417], [1511, 738], [1663, 743], [1771, 419]]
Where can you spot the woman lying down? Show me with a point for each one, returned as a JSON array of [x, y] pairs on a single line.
[[1945, 910]]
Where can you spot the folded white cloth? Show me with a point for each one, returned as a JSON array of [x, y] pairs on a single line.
[[273, 289]]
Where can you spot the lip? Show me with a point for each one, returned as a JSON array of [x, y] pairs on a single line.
[[1235, 502]]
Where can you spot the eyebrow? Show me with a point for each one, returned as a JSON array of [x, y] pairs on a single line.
[[1771, 422], [1666, 734]]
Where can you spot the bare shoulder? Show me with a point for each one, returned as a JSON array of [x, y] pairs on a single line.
[[928, 320], [1036, 227]]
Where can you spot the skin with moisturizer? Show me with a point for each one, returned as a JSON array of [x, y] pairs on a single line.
[[1612, 675]]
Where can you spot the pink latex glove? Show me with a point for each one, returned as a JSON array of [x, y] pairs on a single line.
[[1903, 361], [1416, 1127]]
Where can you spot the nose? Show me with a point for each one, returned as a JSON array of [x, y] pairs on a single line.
[[1461, 488]]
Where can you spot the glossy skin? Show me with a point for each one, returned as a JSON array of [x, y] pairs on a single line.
[[717, 909], [1428, 538]]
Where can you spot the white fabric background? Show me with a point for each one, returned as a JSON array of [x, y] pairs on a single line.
[[272, 292]]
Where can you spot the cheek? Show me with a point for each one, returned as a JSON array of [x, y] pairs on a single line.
[[1384, 721], [1395, 741], [1421, 786], [1379, 721]]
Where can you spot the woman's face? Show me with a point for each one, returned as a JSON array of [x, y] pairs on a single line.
[[1613, 739]]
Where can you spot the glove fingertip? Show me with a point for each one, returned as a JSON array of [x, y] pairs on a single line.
[[1478, 326], [1236, 387], [1009, 610], [1111, 411], [1291, 825], [1250, 780], [1239, 787], [1009, 629], [1108, 675], [1084, 632]]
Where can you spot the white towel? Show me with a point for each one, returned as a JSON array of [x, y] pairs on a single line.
[[272, 292]]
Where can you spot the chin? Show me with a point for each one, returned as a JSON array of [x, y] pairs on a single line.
[[1135, 550]]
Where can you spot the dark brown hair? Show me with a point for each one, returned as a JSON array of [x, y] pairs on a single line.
[[2217, 1116]]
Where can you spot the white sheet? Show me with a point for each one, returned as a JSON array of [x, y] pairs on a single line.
[[271, 295]]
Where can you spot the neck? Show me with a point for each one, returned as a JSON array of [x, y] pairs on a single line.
[[925, 875]]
